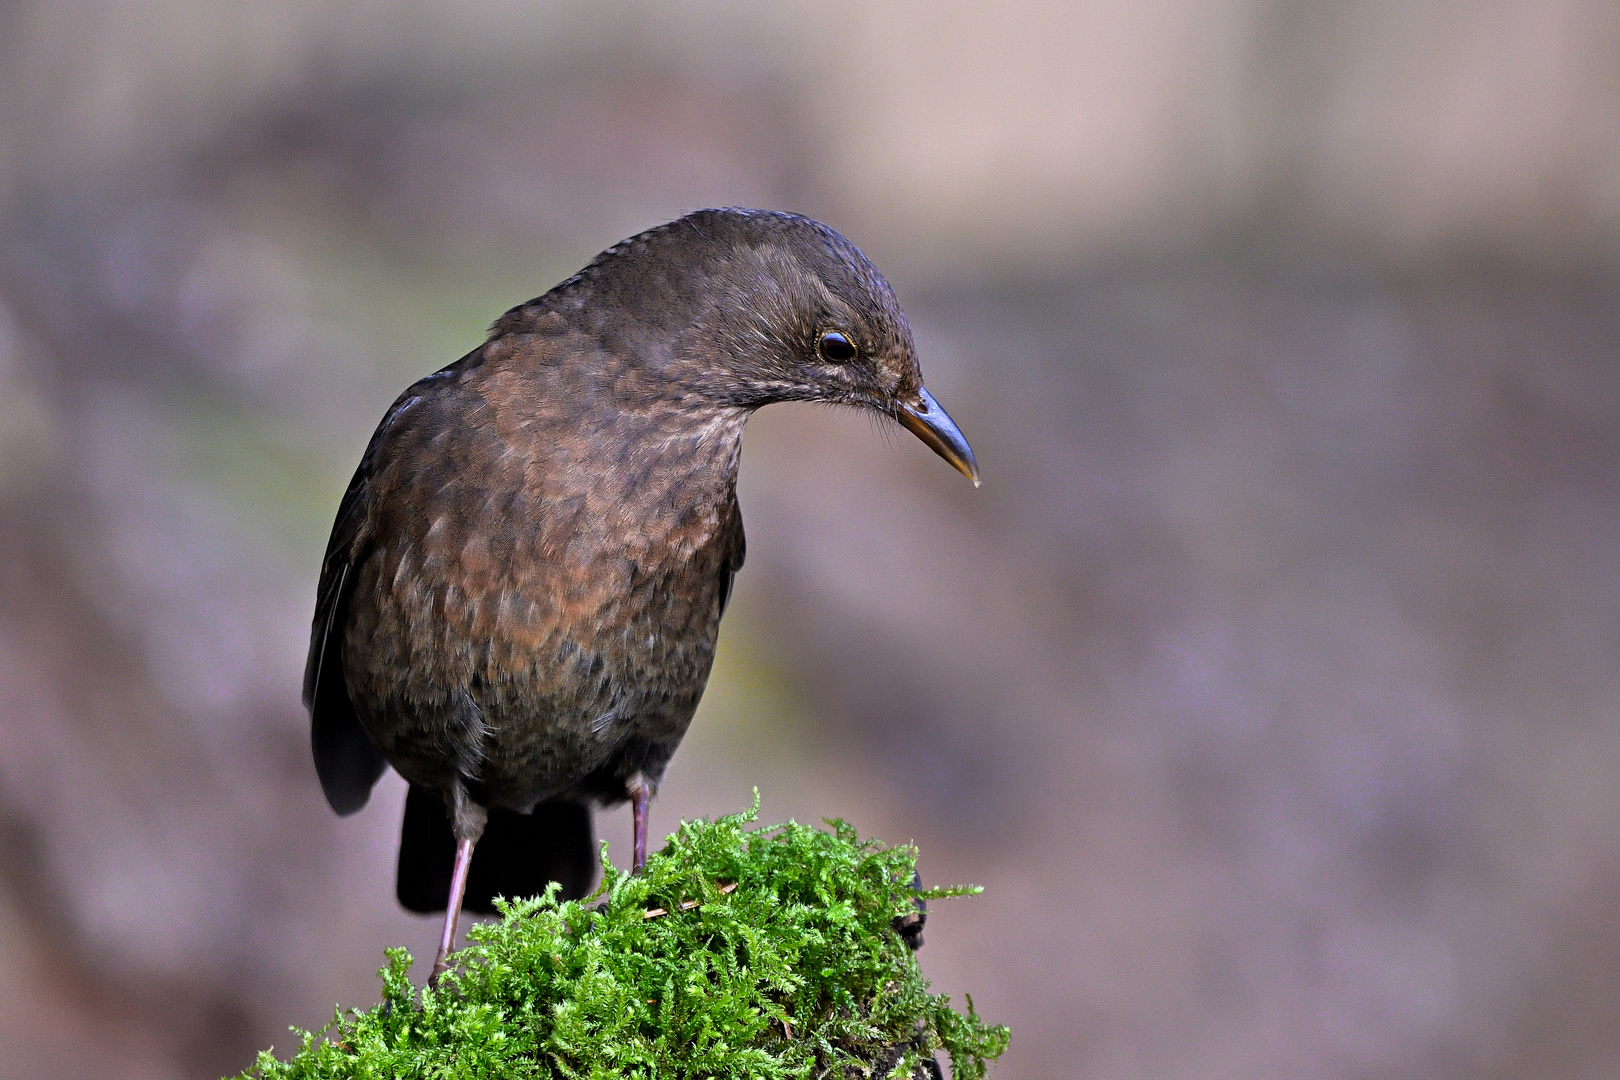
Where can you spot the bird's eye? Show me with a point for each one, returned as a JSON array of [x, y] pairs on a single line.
[[835, 347]]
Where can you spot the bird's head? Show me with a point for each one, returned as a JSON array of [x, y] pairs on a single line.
[[777, 307]]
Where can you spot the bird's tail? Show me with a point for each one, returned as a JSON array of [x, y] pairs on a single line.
[[518, 855]]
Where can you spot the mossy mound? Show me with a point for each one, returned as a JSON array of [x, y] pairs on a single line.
[[740, 952]]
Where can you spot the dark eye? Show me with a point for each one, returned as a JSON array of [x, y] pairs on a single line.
[[835, 348]]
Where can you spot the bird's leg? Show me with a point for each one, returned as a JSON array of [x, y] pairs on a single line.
[[467, 821], [452, 910], [640, 799]]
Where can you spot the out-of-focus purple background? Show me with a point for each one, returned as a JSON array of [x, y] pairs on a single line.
[[1268, 685]]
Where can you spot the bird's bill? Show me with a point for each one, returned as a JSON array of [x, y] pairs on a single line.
[[933, 425]]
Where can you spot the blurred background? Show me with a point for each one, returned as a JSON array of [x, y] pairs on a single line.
[[1267, 685]]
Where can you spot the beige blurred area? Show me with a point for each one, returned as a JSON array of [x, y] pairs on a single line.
[[1268, 685]]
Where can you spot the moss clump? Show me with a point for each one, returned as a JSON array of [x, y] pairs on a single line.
[[776, 956]]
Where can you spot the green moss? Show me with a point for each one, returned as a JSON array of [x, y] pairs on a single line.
[[797, 971]]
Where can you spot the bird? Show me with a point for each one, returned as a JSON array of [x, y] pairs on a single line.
[[518, 605]]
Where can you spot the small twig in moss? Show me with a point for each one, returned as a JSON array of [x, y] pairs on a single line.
[[653, 913]]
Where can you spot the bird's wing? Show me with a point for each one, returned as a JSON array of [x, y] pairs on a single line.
[[346, 760], [736, 551]]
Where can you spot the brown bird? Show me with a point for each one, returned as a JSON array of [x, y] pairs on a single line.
[[519, 602]]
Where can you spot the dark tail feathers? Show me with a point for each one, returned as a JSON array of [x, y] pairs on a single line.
[[518, 855]]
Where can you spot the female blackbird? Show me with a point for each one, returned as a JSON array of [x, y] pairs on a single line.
[[519, 602]]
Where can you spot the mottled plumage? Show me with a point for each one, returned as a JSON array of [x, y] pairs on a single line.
[[521, 596]]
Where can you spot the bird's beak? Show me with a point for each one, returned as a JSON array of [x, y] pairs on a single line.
[[934, 426]]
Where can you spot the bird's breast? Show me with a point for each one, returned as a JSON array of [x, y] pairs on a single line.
[[573, 597]]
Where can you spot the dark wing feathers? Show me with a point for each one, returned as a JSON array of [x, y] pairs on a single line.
[[346, 759], [734, 557]]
